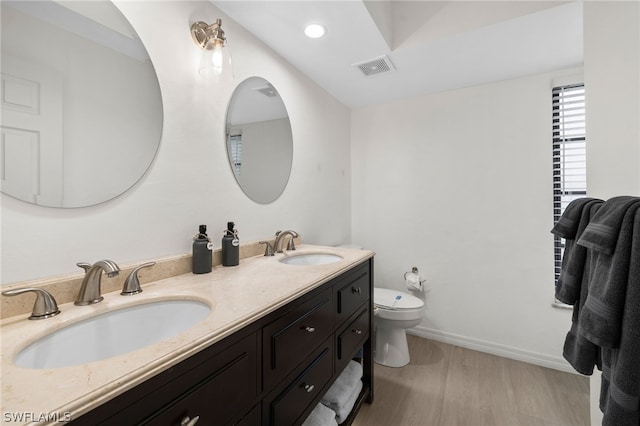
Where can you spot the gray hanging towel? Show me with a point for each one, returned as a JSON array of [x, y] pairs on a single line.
[[609, 236], [620, 392]]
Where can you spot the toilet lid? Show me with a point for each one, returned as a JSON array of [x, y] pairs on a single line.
[[387, 298]]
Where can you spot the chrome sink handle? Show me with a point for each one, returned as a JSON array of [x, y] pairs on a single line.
[[45, 305], [132, 283], [268, 250], [84, 265]]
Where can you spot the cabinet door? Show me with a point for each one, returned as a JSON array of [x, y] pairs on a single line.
[[297, 397], [252, 418], [220, 397], [290, 339], [219, 385], [351, 337], [351, 292]]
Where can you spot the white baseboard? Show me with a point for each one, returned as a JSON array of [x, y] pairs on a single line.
[[557, 363]]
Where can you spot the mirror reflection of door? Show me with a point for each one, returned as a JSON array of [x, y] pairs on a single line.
[[31, 148], [81, 103]]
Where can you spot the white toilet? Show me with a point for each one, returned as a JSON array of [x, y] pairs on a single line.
[[394, 311]]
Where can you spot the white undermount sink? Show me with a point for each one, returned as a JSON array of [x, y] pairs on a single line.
[[311, 259], [112, 333]]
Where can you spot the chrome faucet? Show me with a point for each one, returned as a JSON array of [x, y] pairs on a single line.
[[90, 289], [280, 235]]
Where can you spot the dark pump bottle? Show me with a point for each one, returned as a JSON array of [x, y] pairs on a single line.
[[230, 246], [202, 252]]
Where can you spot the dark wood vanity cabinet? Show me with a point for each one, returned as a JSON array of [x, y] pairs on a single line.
[[272, 372], [218, 385]]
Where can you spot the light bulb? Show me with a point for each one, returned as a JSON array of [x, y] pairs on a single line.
[[216, 63], [217, 59]]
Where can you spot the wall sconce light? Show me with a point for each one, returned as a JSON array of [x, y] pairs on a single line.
[[210, 38]]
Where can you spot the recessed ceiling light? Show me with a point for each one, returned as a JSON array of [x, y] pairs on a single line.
[[315, 30]]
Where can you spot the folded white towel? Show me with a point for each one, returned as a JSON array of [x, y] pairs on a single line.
[[343, 412], [321, 416], [341, 390]]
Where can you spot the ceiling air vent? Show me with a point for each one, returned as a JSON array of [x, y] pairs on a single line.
[[375, 66], [268, 90]]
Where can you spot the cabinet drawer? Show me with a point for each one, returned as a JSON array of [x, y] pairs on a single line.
[[304, 390], [289, 340], [220, 397], [351, 337], [252, 418], [352, 292], [206, 373]]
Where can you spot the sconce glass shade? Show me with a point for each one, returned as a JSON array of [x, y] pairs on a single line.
[[216, 58], [216, 63]]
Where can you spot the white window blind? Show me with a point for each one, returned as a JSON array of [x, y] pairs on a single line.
[[235, 152], [569, 154]]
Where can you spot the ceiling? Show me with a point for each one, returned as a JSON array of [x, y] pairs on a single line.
[[97, 21], [433, 45]]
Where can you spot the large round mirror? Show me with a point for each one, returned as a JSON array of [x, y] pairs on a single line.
[[81, 104], [259, 140]]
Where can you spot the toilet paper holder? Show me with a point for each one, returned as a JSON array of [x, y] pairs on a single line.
[[414, 281]]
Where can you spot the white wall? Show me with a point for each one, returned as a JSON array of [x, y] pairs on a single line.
[[459, 184], [190, 182], [612, 79]]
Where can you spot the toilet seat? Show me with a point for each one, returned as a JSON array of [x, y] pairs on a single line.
[[385, 298]]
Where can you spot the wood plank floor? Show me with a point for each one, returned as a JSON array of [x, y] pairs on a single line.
[[447, 385]]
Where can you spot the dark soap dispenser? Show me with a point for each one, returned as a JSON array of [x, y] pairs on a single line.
[[230, 246], [202, 252]]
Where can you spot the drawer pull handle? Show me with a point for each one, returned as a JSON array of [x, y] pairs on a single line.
[[309, 388], [355, 330], [356, 290], [189, 422], [309, 329]]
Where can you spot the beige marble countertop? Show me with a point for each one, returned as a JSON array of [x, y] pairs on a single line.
[[238, 296]]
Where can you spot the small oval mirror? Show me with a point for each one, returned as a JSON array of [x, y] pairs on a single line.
[[81, 104], [259, 140]]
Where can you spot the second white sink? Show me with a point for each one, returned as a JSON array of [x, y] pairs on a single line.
[[311, 259], [112, 333]]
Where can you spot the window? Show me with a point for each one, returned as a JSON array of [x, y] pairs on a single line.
[[234, 149], [569, 155]]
